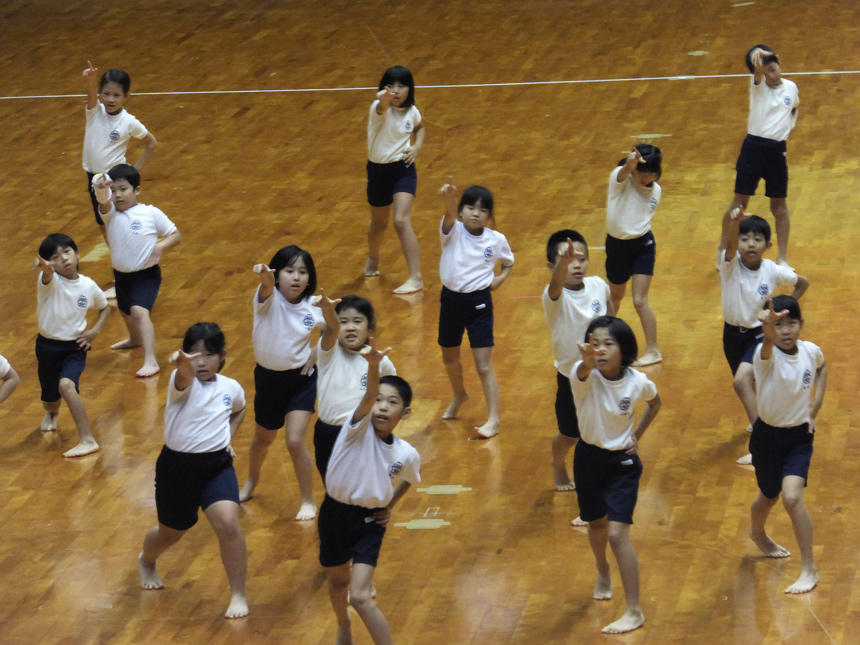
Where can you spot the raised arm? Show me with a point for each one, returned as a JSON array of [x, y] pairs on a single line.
[[373, 357], [731, 231], [589, 358], [86, 339], [267, 282], [332, 322], [47, 269], [633, 160], [92, 75], [756, 58], [652, 407], [384, 96], [800, 287], [184, 368], [768, 319], [150, 142], [101, 187], [566, 255], [449, 194]]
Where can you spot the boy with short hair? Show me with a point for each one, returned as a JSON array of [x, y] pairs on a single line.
[[360, 495], [64, 296], [748, 280], [133, 230], [787, 371]]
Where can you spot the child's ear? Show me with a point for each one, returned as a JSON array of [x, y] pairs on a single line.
[[551, 266], [137, 191], [407, 412], [769, 245]]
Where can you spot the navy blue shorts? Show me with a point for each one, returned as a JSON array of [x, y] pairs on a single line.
[[778, 453], [384, 180], [280, 392], [762, 159], [565, 409], [739, 344], [93, 199], [625, 258], [607, 483], [472, 312], [347, 533], [186, 481], [58, 359], [325, 435], [137, 289]]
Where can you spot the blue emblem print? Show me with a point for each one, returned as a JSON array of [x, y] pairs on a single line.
[[595, 306], [395, 469], [136, 226], [82, 302], [308, 321], [807, 377], [364, 381], [653, 204], [787, 101], [228, 401], [488, 254], [114, 136], [624, 405], [408, 125], [762, 290]]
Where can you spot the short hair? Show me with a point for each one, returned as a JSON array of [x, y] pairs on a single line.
[[361, 305], [286, 257], [404, 391], [53, 242], [402, 75], [118, 77], [211, 335], [781, 303], [475, 194], [127, 172], [622, 334], [652, 159], [755, 224], [561, 236], [765, 60]]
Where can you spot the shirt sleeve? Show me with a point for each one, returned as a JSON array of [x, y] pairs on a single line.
[[4, 366], [581, 389], [819, 358], [785, 276], [239, 398], [99, 299], [761, 367], [649, 391], [386, 368], [506, 255], [356, 430], [174, 395], [446, 238], [551, 308], [162, 223], [136, 129], [616, 187], [411, 468], [262, 308]]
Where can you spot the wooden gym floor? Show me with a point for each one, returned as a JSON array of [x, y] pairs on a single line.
[[537, 101]]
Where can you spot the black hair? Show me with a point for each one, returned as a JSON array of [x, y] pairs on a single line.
[[765, 60], [475, 194], [361, 305], [118, 77], [781, 303], [286, 257], [211, 335], [402, 75], [621, 332], [404, 391], [652, 159], [127, 172], [755, 224], [561, 236], [53, 242]]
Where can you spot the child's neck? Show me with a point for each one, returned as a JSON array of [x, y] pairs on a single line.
[[475, 232], [387, 437], [791, 351], [752, 266], [614, 376], [579, 286]]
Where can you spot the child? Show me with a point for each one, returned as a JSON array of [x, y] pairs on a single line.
[[109, 128], [9, 378], [391, 174], [606, 464], [748, 280], [357, 507], [773, 114], [133, 230], [781, 441], [469, 255], [570, 302], [634, 195], [342, 380], [64, 295], [195, 468], [285, 378]]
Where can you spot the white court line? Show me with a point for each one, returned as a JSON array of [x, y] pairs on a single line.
[[437, 87]]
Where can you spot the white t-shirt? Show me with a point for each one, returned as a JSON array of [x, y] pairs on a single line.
[[4, 366], [362, 467], [106, 138], [282, 331], [606, 409], [388, 133], [569, 317], [197, 419], [468, 261], [745, 291], [784, 384], [770, 109], [62, 305], [342, 382], [630, 207], [132, 234]]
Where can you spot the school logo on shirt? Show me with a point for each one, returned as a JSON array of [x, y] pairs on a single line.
[[653, 204], [228, 401], [807, 377], [595, 306], [364, 381], [82, 302], [624, 405], [114, 136], [395, 469], [308, 321], [136, 226], [763, 290], [488, 254], [408, 125], [787, 101]]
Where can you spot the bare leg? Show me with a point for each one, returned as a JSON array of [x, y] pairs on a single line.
[[628, 569], [338, 588], [224, 518], [157, 540], [759, 511], [263, 438], [792, 499], [561, 446], [360, 597], [52, 412], [616, 293], [598, 538], [641, 285], [378, 223], [408, 242], [454, 368], [87, 444], [487, 374], [744, 384], [133, 341], [782, 224], [297, 428], [140, 318]]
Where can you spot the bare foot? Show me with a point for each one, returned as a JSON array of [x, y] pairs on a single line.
[[578, 522], [565, 488], [148, 369], [83, 448], [148, 575], [562, 481], [650, 358], [308, 511], [770, 548], [784, 263], [454, 408], [410, 286], [49, 422], [128, 343], [371, 269], [746, 460], [238, 607], [603, 588], [627, 623], [806, 582], [749, 429], [489, 429], [247, 489]]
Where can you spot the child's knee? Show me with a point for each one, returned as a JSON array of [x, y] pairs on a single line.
[[640, 301], [67, 387]]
